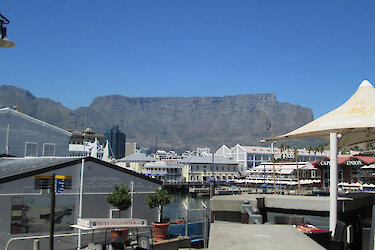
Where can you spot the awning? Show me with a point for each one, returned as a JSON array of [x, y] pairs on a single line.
[[286, 171]]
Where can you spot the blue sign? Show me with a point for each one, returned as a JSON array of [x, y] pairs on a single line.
[[60, 184]]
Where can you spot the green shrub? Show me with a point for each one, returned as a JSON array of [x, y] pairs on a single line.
[[120, 197], [161, 197]]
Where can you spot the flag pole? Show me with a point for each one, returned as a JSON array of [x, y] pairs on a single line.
[[273, 159]]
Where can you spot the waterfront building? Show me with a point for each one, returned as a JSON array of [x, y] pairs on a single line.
[[88, 135], [24, 136], [188, 154], [26, 208], [251, 156], [166, 156], [224, 151], [203, 151], [286, 175], [117, 140], [86, 149], [144, 150], [130, 148], [199, 168], [351, 169], [167, 172], [135, 162]]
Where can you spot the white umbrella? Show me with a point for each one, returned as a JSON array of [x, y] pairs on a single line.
[[351, 123]]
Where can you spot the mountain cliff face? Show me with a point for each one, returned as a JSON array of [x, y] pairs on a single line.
[[178, 122]]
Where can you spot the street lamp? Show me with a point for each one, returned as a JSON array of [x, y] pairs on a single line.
[[4, 41]]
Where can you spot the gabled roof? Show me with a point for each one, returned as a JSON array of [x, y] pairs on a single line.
[[207, 160], [366, 159], [137, 157], [17, 168], [34, 120]]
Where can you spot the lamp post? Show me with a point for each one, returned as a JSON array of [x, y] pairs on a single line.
[[4, 41], [212, 179], [212, 185]]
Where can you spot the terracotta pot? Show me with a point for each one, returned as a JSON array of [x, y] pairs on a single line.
[[119, 234], [160, 231]]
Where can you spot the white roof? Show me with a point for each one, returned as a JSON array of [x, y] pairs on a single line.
[[137, 157], [32, 119]]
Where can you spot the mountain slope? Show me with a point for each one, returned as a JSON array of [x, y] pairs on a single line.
[[178, 122]]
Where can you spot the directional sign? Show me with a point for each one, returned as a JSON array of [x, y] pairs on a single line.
[[42, 181], [62, 182]]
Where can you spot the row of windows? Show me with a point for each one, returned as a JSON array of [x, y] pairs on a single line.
[[31, 149], [222, 168], [205, 178]]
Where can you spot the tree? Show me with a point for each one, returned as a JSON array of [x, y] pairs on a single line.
[[158, 199], [321, 149], [287, 147], [120, 197], [281, 147], [309, 149]]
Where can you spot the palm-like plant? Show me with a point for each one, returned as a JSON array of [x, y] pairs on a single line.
[[309, 149], [287, 147], [321, 149]]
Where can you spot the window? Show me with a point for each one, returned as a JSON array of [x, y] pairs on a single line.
[[31, 149], [48, 149]]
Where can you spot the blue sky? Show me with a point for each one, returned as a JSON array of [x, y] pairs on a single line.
[[311, 53]]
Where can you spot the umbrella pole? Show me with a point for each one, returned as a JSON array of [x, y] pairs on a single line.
[[273, 167], [333, 183], [296, 155]]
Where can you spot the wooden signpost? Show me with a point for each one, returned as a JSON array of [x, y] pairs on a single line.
[[56, 184]]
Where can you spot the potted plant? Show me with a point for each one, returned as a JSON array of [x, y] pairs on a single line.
[[158, 199], [120, 199]]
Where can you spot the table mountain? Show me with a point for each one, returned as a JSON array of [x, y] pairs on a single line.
[[179, 123]]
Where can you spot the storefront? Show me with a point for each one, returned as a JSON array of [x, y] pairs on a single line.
[[350, 169]]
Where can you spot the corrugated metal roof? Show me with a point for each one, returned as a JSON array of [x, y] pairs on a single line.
[[207, 160], [18, 168], [14, 166], [137, 157]]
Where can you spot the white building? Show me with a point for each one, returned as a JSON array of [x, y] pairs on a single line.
[[135, 162], [86, 149], [166, 156], [169, 172], [199, 168], [251, 156], [285, 174]]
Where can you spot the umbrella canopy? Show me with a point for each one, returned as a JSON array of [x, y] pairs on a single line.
[[354, 121], [351, 123]]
